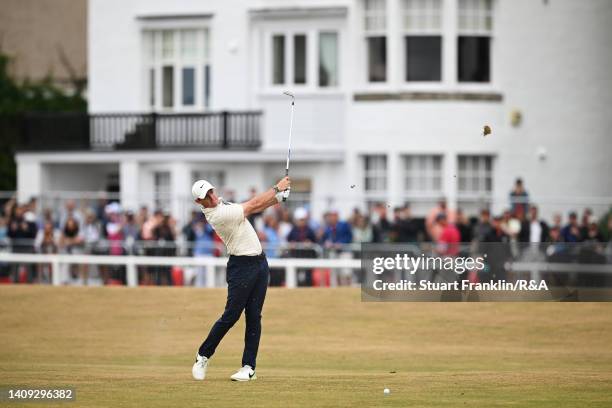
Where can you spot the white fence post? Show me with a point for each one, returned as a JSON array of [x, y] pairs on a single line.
[[131, 272], [290, 275], [333, 277], [56, 278], [210, 275]]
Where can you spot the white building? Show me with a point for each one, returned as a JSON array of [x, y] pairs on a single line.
[[391, 97]]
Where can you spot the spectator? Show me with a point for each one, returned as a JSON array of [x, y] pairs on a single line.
[[301, 232], [188, 231], [284, 226], [143, 215], [362, 230], [587, 214], [22, 231], [593, 234], [3, 230], [70, 211], [301, 241], [163, 233], [113, 231], [270, 234], [496, 248], [533, 230], [92, 232], [46, 243], [511, 225], [571, 232], [448, 238], [131, 231], [71, 242], [203, 245], [519, 198], [464, 227], [557, 219], [381, 225], [483, 228], [150, 224], [431, 225], [5, 269], [405, 229], [336, 233]]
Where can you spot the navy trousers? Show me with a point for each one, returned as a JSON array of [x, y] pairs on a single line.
[[247, 283]]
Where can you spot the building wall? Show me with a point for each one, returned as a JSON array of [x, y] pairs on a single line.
[[551, 62], [37, 32]]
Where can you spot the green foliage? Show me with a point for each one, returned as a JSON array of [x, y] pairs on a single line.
[[19, 98]]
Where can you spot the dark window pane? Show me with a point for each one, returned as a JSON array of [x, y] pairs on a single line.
[[474, 59], [188, 86], [377, 59], [278, 59], [152, 87], [423, 58], [168, 86], [299, 59], [328, 59], [206, 85]]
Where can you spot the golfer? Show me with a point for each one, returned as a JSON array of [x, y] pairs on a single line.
[[247, 271]]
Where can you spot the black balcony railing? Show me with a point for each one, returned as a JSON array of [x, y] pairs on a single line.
[[123, 131]]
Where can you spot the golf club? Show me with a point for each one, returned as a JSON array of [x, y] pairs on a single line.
[[290, 130]]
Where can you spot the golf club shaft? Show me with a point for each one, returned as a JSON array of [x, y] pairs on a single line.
[[290, 131]]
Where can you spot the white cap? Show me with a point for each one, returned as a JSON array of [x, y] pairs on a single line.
[[300, 213], [200, 188], [112, 208]]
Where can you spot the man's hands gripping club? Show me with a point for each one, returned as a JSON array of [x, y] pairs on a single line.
[[284, 189], [278, 193]]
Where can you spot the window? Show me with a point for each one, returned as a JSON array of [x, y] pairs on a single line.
[[216, 178], [375, 25], [188, 86], [422, 24], [162, 190], [278, 59], [328, 59], [475, 176], [299, 59], [173, 58], [292, 64], [423, 174], [375, 173], [168, 86], [475, 23]]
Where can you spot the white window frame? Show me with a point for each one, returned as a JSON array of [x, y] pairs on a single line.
[[428, 172], [414, 32], [481, 173], [368, 33], [203, 58], [375, 195], [162, 198], [395, 34], [481, 33], [312, 59]]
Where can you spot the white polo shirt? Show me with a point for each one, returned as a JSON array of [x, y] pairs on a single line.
[[233, 228]]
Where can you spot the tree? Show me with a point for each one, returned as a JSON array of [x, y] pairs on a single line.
[[17, 99]]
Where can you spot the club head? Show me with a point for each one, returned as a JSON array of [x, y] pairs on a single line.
[[289, 94]]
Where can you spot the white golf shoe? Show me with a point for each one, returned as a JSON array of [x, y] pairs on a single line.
[[199, 368], [246, 373]]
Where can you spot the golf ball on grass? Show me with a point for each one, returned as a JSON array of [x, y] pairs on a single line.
[[387, 391]]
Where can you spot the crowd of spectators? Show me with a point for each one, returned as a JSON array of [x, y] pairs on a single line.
[[106, 229]]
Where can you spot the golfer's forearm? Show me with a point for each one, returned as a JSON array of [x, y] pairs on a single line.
[[260, 202]]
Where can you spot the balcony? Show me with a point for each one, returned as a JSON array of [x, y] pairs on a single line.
[[151, 131]]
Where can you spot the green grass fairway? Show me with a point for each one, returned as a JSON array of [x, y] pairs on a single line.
[[122, 347]]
